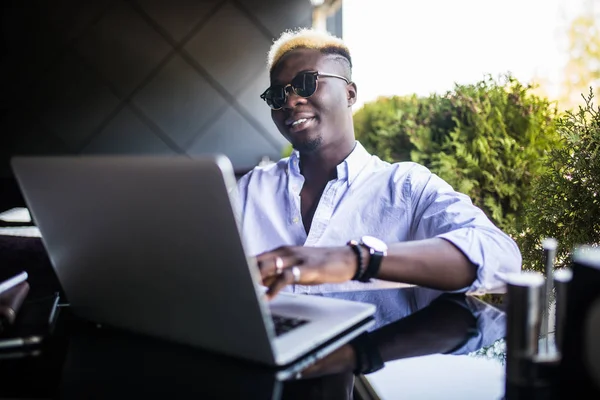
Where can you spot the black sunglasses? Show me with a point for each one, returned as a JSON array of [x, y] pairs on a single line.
[[304, 84]]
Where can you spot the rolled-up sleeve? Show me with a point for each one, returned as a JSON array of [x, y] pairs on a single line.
[[440, 211]]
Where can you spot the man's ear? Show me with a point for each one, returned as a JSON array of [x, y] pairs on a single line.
[[352, 93]]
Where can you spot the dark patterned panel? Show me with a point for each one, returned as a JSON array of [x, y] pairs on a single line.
[[68, 19], [132, 135], [180, 101], [123, 47], [141, 76], [238, 54], [72, 102], [178, 17], [277, 16], [233, 136], [27, 50], [35, 33], [23, 135]]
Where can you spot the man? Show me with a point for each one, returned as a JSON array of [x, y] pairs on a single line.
[[332, 217]]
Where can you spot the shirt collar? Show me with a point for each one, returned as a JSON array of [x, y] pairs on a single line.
[[353, 164], [347, 169], [294, 162]]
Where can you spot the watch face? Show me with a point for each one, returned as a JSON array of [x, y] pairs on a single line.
[[374, 243]]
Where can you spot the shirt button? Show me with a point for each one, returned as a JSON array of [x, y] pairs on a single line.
[[295, 220]]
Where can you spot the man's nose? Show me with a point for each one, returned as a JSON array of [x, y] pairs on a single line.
[[292, 100]]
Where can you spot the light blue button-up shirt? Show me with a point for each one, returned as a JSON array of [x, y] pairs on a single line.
[[393, 202]]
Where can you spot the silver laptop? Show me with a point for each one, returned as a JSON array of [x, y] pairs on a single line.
[[152, 245]]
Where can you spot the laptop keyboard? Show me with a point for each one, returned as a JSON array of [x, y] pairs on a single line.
[[286, 324]]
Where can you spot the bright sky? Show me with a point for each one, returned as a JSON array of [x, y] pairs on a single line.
[[406, 46]]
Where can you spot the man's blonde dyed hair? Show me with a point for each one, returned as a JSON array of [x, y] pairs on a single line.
[[305, 38]]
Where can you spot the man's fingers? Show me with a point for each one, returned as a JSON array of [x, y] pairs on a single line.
[[270, 255], [280, 281], [269, 281], [275, 265]]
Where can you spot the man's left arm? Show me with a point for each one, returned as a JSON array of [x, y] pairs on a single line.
[[455, 247]]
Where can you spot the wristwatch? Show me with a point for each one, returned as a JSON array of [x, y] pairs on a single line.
[[377, 250]]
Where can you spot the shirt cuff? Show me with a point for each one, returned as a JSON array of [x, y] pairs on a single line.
[[493, 253]]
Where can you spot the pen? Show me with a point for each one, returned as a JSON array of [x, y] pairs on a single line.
[[20, 342], [14, 281]]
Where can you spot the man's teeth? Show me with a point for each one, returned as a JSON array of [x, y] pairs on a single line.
[[299, 121]]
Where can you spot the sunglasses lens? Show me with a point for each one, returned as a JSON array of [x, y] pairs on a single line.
[[305, 84], [275, 97]]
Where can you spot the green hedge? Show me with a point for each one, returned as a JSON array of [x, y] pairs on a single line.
[[566, 201], [488, 140]]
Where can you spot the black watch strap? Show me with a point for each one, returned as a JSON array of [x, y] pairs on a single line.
[[375, 258], [360, 265]]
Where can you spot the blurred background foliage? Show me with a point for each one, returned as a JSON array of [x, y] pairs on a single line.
[[534, 170], [488, 140], [566, 196]]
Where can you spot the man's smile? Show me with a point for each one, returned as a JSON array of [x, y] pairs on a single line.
[[299, 122]]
